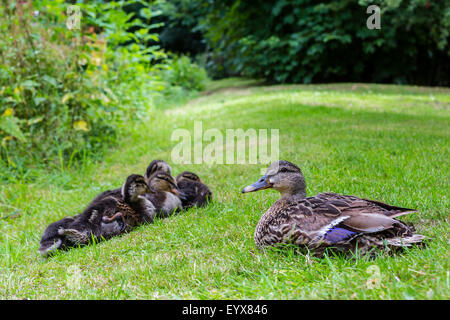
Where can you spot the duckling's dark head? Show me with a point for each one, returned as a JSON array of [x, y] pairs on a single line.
[[134, 186], [157, 165], [282, 176], [161, 181], [187, 175]]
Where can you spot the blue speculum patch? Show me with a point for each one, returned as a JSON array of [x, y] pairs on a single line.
[[337, 234]]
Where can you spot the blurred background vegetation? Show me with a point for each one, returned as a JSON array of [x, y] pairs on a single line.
[[66, 95], [304, 41]]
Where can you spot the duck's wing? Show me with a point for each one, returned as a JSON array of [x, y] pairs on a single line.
[[391, 211], [326, 217], [365, 216], [363, 205], [303, 222]]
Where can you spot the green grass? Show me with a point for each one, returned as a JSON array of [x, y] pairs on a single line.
[[383, 142]]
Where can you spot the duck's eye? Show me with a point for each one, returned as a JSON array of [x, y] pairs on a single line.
[[284, 170]]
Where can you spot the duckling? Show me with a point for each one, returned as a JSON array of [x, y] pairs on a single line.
[[95, 223], [157, 165], [327, 220], [134, 193], [113, 214], [167, 196], [196, 192], [126, 212], [51, 240], [154, 166], [133, 206], [88, 225], [72, 231]]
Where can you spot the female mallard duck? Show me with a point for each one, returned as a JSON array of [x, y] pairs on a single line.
[[167, 196], [346, 223], [94, 221], [196, 192]]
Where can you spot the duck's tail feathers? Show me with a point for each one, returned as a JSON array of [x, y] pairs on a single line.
[[392, 211], [407, 241], [400, 213]]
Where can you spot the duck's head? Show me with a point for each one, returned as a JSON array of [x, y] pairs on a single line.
[[161, 181], [157, 165], [187, 175], [135, 186], [283, 176]]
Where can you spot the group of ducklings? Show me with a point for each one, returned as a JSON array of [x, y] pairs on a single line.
[[326, 220], [140, 200]]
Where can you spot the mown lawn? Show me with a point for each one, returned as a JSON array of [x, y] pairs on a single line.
[[382, 142]]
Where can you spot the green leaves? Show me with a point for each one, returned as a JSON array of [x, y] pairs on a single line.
[[330, 40], [10, 125], [183, 73], [46, 93]]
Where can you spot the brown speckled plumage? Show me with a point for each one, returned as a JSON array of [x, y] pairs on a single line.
[[327, 220], [124, 211]]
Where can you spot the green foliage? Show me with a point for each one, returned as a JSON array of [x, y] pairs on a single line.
[[309, 41], [181, 72], [134, 68], [67, 94], [182, 31], [51, 104]]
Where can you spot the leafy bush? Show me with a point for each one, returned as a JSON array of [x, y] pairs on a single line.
[[181, 72], [68, 94], [134, 66], [51, 104], [311, 41], [180, 30]]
